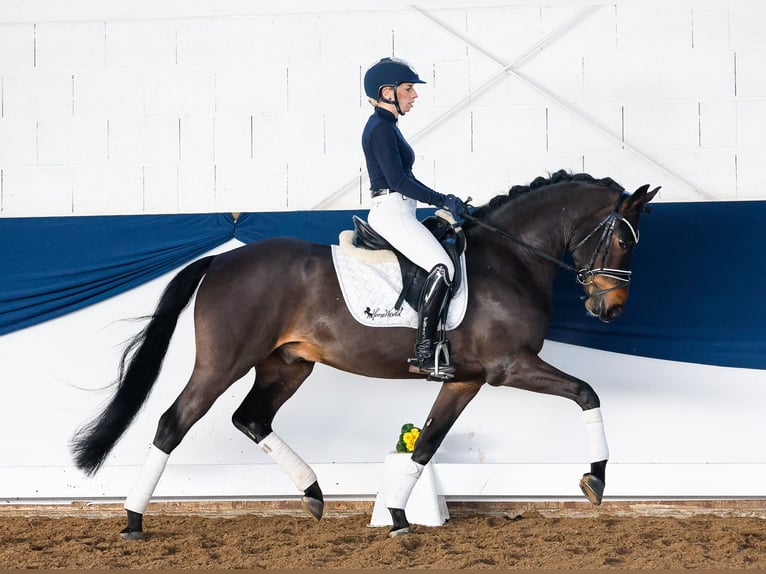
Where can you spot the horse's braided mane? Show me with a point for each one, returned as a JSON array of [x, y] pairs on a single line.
[[561, 176]]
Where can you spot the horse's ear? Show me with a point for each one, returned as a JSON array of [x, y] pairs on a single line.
[[641, 197]]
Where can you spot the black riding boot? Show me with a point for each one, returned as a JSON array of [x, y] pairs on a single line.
[[432, 356]]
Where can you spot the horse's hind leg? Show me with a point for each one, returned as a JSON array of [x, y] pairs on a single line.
[[203, 388], [276, 381], [533, 374]]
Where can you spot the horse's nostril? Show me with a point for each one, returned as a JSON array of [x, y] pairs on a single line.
[[615, 312]]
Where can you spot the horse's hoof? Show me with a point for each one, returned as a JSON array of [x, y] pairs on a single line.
[[592, 487], [130, 534], [401, 532], [313, 506]]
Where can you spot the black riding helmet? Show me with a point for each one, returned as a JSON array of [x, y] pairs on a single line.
[[389, 72]]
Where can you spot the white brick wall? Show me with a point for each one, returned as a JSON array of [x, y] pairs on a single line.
[[230, 106]]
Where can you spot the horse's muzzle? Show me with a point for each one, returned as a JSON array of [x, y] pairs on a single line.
[[606, 299]]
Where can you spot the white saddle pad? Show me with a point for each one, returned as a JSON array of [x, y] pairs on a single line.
[[371, 282]]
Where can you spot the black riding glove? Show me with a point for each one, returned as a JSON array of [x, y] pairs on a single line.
[[456, 206]]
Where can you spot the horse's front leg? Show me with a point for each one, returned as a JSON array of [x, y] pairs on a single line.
[[531, 373], [450, 402]]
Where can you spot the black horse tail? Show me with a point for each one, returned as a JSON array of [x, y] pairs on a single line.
[[139, 368]]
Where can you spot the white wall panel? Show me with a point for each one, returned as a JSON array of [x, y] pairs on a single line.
[[196, 187], [559, 75], [504, 32], [710, 25], [315, 85], [108, 93], [140, 44], [718, 124], [368, 34], [662, 125], [29, 191], [570, 132], [470, 176], [343, 132], [143, 140], [751, 123], [639, 29], [251, 186], [72, 141], [178, 92], [750, 182], [516, 130], [448, 83], [212, 42], [711, 170], [254, 89], [160, 188], [642, 76], [417, 39], [103, 189], [310, 181], [286, 136], [751, 81], [295, 37], [524, 167], [70, 45], [451, 138], [18, 141], [197, 138], [747, 19], [631, 171], [233, 138], [595, 31], [16, 47], [37, 95]]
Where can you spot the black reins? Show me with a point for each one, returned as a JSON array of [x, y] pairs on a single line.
[[584, 276]]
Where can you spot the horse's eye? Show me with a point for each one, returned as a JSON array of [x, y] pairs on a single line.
[[623, 244]]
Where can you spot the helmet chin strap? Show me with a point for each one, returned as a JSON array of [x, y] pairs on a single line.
[[394, 102]]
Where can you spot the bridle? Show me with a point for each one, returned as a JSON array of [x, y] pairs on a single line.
[[586, 275]]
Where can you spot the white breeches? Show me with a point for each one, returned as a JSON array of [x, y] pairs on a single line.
[[395, 218]]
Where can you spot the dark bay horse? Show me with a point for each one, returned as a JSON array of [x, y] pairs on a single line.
[[515, 243]]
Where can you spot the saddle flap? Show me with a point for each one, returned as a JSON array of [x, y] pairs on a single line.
[[446, 231]]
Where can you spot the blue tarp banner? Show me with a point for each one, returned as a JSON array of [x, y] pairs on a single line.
[[696, 296]]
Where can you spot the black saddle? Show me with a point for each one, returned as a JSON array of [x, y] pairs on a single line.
[[449, 235]]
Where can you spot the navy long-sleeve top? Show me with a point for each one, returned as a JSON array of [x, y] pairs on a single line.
[[390, 158]]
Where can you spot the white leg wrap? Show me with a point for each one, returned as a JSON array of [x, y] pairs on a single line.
[[300, 472], [400, 490], [147, 480], [594, 429]]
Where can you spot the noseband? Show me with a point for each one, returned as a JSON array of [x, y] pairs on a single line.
[[607, 225], [586, 275]]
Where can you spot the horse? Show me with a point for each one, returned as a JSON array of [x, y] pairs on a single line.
[[515, 245]]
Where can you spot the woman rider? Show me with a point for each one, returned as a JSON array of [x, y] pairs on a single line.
[[390, 87]]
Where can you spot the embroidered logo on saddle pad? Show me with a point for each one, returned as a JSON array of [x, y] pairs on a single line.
[[371, 282]]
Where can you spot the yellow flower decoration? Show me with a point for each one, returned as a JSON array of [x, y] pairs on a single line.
[[408, 436]]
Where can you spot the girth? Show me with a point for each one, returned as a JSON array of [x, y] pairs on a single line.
[[451, 237]]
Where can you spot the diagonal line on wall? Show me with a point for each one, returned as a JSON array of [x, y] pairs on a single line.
[[354, 182], [508, 68]]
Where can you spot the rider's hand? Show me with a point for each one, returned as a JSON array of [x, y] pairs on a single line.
[[455, 205]]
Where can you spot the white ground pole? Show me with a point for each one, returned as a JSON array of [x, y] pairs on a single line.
[[508, 68]]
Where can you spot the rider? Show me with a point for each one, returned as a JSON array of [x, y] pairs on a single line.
[[390, 87]]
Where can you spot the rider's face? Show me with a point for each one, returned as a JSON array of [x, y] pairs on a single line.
[[407, 95]]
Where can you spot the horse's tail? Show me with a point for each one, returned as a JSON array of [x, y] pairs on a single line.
[[139, 368]]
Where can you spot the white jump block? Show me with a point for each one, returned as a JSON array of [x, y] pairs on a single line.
[[425, 505]]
